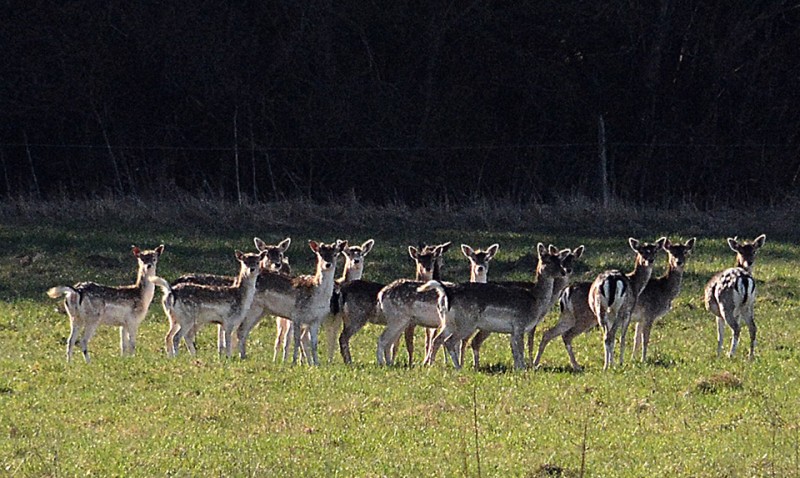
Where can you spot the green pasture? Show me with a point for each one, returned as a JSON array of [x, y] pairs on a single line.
[[683, 413]]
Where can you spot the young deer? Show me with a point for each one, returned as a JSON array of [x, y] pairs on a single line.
[[478, 272], [559, 283], [492, 307], [613, 296], [404, 308], [353, 270], [358, 300], [656, 298], [90, 305], [305, 300], [274, 260], [731, 294], [189, 306]]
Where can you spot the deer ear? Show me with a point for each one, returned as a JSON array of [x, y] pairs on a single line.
[[367, 247], [492, 250], [541, 249], [634, 243], [733, 244], [759, 241], [340, 245], [413, 252], [136, 251], [160, 249], [552, 250], [467, 250], [313, 245], [444, 247], [239, 255], [260, 245], [690, 243], [284, 244], [661, 242], [578, 252]]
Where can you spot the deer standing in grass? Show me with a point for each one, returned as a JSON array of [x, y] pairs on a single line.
[[90, 305], [559, 283], [656, 299], [492, 307], [613, 296], [353, 270], [404, 308], [305, 300], [731, 294], [358, 300], [478, 272], [189, 306], [274, 260]]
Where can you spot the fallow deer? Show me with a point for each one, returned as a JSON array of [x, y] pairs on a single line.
[[353, 270], [559, 283], [189, 306], [404, 308], [731, 294], [274, 260], [613, 296], [305, 300], [478, 272], [492, 307], [656, 299], [358, 299], [90, 305]]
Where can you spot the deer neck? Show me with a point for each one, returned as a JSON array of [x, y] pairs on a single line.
[[351, 272], [324, 279], [479, 278], [673, 279], [542, 292], [639, 277]]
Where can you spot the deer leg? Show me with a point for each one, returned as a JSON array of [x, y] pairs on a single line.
[[626, 319], [409, 334], [558, 330], [518, 348], [314, 332], [720, 335], [280, 336], [88, 333], [646, 328], [475, 344], [751, 327], [453, 346], [74, 328]]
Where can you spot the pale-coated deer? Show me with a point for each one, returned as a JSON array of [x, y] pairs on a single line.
[[559, 283], [656, 299], [404, 308], [495, 308], [731, 294], [190, 306], [358, 299], [305, 300], [90, 305], [613, 296]]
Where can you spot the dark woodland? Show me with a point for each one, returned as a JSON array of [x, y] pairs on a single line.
[[408, 101]]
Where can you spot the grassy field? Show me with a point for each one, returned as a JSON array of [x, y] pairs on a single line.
[[683, 413]]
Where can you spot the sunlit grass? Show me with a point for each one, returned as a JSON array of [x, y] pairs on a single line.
[[683, 413]]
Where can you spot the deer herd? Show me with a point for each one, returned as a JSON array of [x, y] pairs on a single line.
[[453, 315]]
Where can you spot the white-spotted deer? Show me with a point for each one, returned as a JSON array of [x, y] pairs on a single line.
[[495, 308], [90, 305], [404, 308], [353, 270], [568, 259], [656, 299], [274, 260], [305, 300], [613, 296], [190, 306], [358, 299], [731, 294]]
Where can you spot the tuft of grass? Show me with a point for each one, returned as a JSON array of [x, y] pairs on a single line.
[[718, 382]]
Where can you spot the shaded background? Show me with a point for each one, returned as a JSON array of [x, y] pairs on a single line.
[[408, 101]]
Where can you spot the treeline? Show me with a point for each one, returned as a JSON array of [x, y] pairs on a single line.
[[404, 101]]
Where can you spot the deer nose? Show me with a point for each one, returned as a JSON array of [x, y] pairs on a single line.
[[326, 265], [480, 268]]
